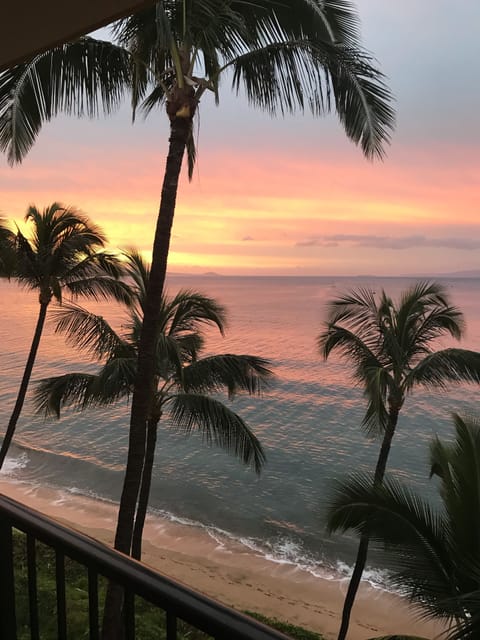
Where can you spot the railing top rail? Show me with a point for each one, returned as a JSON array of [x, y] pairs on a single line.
[[189, 605]]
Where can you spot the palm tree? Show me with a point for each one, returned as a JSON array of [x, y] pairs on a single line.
[[286, 56], [434, 552], [184, 380], [62, 253], [7, 250], [391, 347]]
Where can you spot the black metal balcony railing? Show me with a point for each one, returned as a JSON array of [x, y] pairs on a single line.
[[177, 601]]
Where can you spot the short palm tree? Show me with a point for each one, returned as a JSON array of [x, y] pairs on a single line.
[[184, 379], [392, 349], [434, 551], [61, 255], [304, 54]]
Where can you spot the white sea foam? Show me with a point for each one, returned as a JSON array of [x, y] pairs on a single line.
[[376, 578], [88, 493], [284, 551], [12, 465]]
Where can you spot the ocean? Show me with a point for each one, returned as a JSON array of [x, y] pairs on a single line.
[[308, 422]]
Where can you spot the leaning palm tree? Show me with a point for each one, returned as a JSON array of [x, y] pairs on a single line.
[[184, 379], [434, 552], [61, 254], [392, 349], [304, 54]]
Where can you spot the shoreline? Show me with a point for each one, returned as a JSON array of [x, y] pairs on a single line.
[[232, 574]]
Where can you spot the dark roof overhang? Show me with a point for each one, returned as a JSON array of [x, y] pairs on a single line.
[[28, 27]]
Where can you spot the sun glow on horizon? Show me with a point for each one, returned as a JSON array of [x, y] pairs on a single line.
[[350, 219]]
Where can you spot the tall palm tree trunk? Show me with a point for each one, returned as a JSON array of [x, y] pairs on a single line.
[[145, 486], [180, 128], [143, 389], [362, 552], [22, 392]]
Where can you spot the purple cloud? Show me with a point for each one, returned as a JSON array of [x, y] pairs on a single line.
[[390, 242]]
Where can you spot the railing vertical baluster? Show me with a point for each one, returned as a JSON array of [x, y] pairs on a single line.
[[8, 623], [171, 626], [93, 603], [32, 588], [129, 613], [61, 598], [175, 601]]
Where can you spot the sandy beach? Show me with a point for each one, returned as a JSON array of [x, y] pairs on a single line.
[[233, 574]]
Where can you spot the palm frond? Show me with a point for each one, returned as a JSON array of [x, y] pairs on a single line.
[[424, 314], [97, 276], [59, 225], [442, 368], [458, 466], [168, 358], [362, 99], [218, 425], [438, 322], [188, 311], [76, 78], [28, 268], [423, 294], [334, 21], [88, 332], [190, 346], [72, 389], [116, 378], [378, 385], [191, 154], [291, 75], [155, 98], [61, 250], [8, 254], [100, 287], [229, 372], [467, 629], [415, 536], [350, 346], [356, 308], [138, 270], [390, 345], [148, 38], [434, 552]]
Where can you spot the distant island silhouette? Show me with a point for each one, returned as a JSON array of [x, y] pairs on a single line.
[[471, 273]]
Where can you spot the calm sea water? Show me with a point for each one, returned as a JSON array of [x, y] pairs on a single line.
[[308, 421]]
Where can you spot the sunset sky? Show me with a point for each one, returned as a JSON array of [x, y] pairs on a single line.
[[293, 196]]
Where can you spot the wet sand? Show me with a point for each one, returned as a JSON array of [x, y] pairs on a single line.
[[232, 574]]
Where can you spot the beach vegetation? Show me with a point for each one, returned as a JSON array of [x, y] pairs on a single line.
[[393, 347], [433, 547], [290, 630], [150, 621], [399, 637], [188, 384], [303, 55], [61, 254]]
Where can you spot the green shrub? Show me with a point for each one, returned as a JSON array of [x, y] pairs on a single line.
[[297, 633], [149, 620]]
